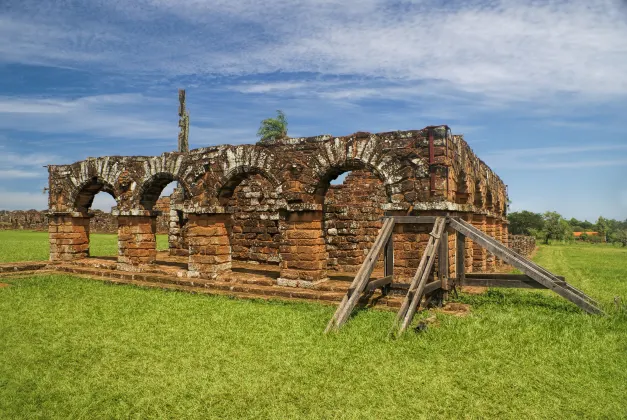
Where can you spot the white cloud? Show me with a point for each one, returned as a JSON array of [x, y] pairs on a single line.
[[18, 200], [111, 116], [590, 156], [508, 50]]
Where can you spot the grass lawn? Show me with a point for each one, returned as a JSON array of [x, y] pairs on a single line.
[[24, 245], [83, 349]]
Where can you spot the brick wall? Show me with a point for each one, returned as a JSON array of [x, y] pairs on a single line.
[[101, 222], [522, 244], [352, 216], [255, 233]]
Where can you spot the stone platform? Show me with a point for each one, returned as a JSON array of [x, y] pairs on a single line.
[[246, 280]]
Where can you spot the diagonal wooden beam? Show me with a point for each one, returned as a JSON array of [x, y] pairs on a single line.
[[529, 268]]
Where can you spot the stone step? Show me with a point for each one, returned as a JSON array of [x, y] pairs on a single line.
[[22, 266], [235, 288]]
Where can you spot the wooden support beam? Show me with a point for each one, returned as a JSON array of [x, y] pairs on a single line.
[[375, 284], [388, 257], [531, 269], [417, 286], [529, 283], [360, 281], [443, 260], [415, 219], [460, 258]]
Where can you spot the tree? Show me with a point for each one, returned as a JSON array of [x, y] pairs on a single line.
[[273, 128], [621, 236], [524, 222], [583, 236], [602, 227], [555, 227]]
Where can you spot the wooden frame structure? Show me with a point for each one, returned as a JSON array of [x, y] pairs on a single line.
[[534, 276]]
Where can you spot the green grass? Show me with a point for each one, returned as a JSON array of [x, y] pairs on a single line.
[[79, 348], [24, 245]]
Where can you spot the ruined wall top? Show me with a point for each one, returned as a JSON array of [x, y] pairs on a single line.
[[428, 169]]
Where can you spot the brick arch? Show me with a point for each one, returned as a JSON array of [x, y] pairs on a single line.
[[237, 174], [83, 195], [336, 156], [158, 172], [91, 177], [237, 163]]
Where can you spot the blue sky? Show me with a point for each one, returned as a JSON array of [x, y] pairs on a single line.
[[538, 88]]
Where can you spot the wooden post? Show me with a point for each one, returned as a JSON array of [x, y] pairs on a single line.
[[388, 257], [443, 262], [460, 257]]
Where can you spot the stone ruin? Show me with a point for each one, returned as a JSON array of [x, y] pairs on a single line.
[[273, 204]]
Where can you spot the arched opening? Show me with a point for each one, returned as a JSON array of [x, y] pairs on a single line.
[[90, 230], [478, 199], [353, 203], [165, 194], [103, 227], [462, 194], [255, 236]]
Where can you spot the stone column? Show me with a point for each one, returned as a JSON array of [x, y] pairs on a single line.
[[498, 229], [68, 236], [209, 244], [468, 251], [137, 244], [490, 230], [303, 249], [479, 253]]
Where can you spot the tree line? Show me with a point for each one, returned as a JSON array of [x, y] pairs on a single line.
[[552, 226]]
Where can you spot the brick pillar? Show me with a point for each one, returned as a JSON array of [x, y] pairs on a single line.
[[69, 236], [498, 228], [490, 230], [177, 239], [303, 249], [137, 244], [209, 244], [468, 251], [479, 254]]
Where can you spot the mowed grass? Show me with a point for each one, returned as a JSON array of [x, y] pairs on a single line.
[[24, 245], [79, 348]]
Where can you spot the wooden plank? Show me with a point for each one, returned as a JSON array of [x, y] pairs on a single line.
[[432, 287], [443, 260], [375, 284], [507, 283], [514, 259], [388, 257], [423, 274], [503, 276], [416, 279], [415, 219], [361, 279], [460, 258]]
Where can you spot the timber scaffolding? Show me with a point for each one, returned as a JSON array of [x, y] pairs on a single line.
[[534, 275]]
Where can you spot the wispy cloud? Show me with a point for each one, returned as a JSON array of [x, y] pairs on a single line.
[[506, 49], [19, 200], [566, 157]]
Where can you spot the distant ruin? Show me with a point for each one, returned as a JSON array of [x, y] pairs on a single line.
[[273, 203]]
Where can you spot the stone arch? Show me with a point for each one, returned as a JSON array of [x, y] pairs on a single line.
[[158, 172], [82, 196], [89, 178], [150, 189], [464, 188], [237, 174], [235, 163], [479, 198]]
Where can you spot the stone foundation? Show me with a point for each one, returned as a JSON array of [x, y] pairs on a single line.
[[303, 251], [209, 244], [69, 237], [136, 242]]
